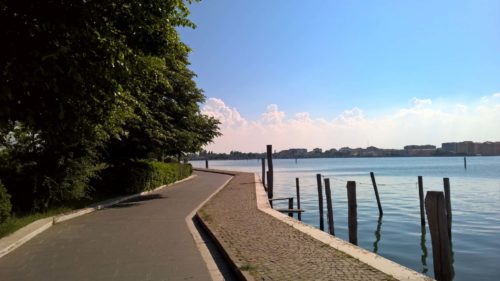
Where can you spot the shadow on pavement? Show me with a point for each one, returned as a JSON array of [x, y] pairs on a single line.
[[146, 198], [136, 201], [221, 263]]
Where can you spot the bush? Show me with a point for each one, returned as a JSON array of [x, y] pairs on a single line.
[[5, 205], [140, 176]]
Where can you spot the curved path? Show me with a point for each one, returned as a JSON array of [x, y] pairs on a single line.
[[142, 239]]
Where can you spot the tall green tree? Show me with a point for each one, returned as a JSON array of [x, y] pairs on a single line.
[[77, 76]]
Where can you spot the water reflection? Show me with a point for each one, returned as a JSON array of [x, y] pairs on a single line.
[[452, 260], [377, 234], [423, 246], [423, 258]]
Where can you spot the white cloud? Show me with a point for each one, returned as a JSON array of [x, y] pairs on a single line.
[[227, 116], [352, 115], [421, 123], [303, 117], [492, 98], [418, 103], [273, 115], [460, 108]]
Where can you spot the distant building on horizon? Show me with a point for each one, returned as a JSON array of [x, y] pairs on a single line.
[[487, 148], [292, 153], [449, 147], [420, 150]]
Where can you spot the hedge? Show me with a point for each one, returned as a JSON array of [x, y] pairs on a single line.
[[141, 176], [5, 205]]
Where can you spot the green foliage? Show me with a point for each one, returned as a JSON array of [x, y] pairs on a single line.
[[37, 177], [87, 84], [141, 176], [17, 222], [170, 122], [5, 205]]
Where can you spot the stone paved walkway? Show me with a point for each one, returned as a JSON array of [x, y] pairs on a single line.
[[270, 249]]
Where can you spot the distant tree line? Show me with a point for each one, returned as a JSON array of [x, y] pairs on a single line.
[[91, 85], [298, 153]]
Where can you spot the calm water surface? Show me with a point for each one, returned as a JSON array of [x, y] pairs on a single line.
[[475, 199]]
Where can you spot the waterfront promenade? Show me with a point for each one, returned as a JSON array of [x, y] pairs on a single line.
[[264, 247], [141, 239], [147, 238]]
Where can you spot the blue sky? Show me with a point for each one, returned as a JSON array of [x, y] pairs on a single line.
[[326, 57]]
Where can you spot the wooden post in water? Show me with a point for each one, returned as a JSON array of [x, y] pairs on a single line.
[[297, 186], [270, 179], [206, 163], [352, 212], [441, 250], [290, 206], [268, 176], [446, 183], [465, 162], [328, 194], [263, 161], [380, 212], [421, 197], [320, 202]]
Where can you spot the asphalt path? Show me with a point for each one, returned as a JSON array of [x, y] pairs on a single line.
[[146, 238]]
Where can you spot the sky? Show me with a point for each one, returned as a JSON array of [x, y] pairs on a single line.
[[329, 74]]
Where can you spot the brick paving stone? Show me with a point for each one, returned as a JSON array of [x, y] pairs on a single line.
[[270, 249]]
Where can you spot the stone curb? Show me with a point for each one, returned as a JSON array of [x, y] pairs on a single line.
[[23, 235], [235, 266], [216, 171], [213, 270], [16, 239], [378, 262]]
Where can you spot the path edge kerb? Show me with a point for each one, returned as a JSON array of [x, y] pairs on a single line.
[[14, 240], [378, 262], [224, 250], [191, 219]]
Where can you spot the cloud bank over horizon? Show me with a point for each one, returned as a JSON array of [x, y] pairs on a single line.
[[421, 122]]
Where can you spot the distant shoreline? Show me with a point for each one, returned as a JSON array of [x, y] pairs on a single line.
[[460, 149], [326, 157]]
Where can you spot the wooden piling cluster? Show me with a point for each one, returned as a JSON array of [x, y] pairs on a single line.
[[269, 177], [436, 204], [352, 206], [439, 217]]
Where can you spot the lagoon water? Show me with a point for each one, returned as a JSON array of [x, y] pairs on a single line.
[[398, 236]]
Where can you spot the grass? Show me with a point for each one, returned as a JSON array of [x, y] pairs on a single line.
[[206, 217], [248, 267], [14, 223]]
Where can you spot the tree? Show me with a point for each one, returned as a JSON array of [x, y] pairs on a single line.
[[170, 122], [78, 76]]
